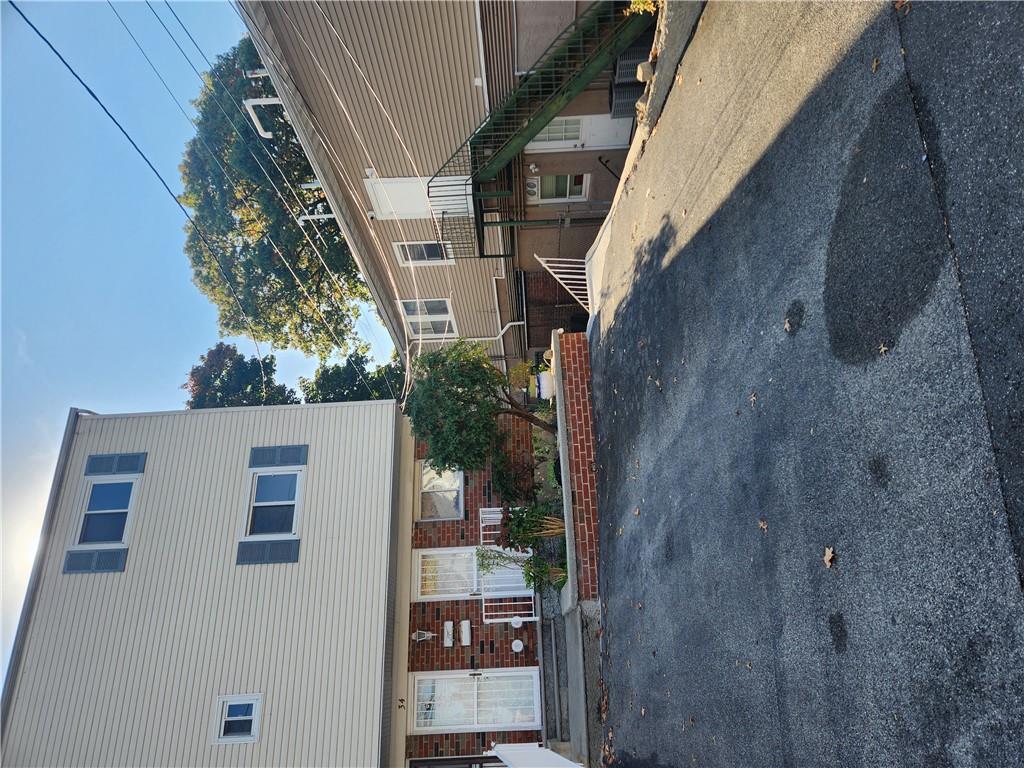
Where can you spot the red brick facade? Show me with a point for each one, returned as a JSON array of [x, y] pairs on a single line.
[[575, 355], [491, 644]]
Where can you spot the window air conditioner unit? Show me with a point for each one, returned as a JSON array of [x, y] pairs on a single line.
[[533, 188]]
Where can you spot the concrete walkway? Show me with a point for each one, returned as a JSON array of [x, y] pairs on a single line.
[[810, 337]]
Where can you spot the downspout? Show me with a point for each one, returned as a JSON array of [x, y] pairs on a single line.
[[49, 517]]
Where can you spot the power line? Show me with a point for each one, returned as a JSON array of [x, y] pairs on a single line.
[[160, 178], [313, 304]]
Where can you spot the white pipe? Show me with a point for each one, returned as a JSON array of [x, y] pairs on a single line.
[[500, 333], [261, 102], [316, 216]]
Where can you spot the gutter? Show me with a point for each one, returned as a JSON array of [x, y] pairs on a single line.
[[49, 519]]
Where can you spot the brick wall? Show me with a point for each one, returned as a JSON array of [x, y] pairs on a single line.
[[460, 744], [548, 306], [491, 646], [575, 354]]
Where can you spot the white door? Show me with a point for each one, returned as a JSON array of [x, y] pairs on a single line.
[[583, 132], [492, 700], [407, 197]]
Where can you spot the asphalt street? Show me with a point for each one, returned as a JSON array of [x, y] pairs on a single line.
[[810, 341]]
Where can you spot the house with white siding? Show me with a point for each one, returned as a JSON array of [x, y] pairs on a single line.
[[469, 151], [284, 585]]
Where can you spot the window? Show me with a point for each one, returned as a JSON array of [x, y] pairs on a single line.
[[273, 503], [440, 493], [429, 318], [564, 186], [484, 700], [238, 718], [560, 129], [422, 253], [106, 513]]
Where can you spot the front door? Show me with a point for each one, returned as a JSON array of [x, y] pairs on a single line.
[[479, 700]]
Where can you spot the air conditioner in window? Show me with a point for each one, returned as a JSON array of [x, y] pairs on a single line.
[[533, 188]]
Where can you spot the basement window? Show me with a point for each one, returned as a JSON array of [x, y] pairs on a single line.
[[564, 187], [440, 493], [238, 718]]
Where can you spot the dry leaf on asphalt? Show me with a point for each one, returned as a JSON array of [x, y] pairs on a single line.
[[763, 524], [636, 512], [875, 64], [829, 557]]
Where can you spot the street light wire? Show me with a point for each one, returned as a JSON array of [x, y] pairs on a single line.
[[160, 178]]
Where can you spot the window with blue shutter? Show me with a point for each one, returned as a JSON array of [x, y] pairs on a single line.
[[271, 525], [101, 540]]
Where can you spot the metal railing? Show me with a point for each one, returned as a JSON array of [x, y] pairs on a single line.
[[505, 597], [572, 275]]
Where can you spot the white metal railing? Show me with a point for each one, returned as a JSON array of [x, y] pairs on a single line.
[[572, 275], [504, 593]]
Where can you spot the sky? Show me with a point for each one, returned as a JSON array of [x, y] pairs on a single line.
[[97, 305]]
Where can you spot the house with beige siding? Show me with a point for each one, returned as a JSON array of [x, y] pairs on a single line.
[[283, 585], [468, 150]]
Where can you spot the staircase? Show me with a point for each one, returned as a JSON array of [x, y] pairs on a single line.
[[579, 54]]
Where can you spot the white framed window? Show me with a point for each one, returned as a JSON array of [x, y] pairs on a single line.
[[564, 187], [421, 253], [107, 513], [275, 498], [237, 718], [429, 318], [560, 129], [441, 496], [478, 700]]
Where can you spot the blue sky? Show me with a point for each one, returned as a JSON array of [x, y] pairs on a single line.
[[98, 306]]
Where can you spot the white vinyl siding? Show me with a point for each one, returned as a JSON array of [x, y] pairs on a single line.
[[125, 669]]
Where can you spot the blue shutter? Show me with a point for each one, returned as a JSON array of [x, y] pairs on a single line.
[[263, 552], [278, 456], [116, 464], [95, 560]]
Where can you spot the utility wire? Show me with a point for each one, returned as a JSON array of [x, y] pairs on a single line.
[[328, 145], [160, 178], [284, 260]]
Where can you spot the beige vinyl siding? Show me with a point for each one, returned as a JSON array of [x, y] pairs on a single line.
[[125, 668], [422, 59]]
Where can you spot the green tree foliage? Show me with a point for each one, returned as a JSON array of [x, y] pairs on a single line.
[[239, 211], [352, 380], [456, 398], [225, 378]]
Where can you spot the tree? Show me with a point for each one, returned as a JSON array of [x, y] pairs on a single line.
[[456, 398], [352, 380], [225, 378], [239, 212]]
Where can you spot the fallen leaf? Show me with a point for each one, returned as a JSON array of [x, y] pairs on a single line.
[[619, 532], [639, 605], [749, 666], [636, 512], [900, 3], [786, 326], [882, 349], [763, 524], [875, 64], [643, 711], [829, 557], [753, 399]]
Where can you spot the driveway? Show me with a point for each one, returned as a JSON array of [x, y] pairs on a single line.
[[811, 340]]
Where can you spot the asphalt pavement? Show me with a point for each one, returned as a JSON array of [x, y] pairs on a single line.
[[810, 342]]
